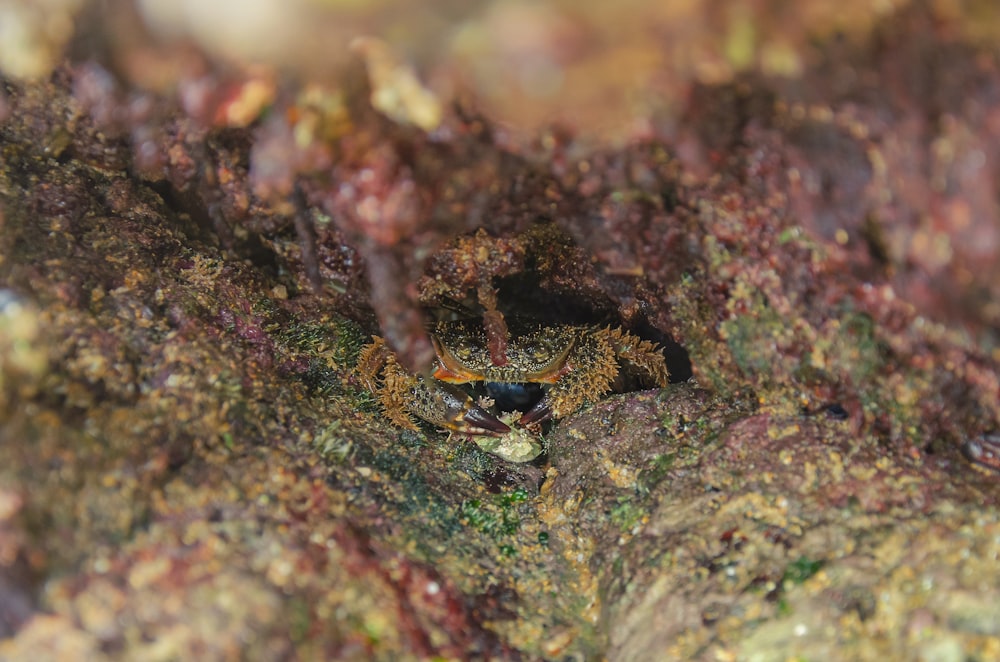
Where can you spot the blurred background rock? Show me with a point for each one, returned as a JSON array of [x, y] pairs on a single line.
[[610, 70]]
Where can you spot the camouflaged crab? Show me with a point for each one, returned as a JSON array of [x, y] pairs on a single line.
[[575, 365]]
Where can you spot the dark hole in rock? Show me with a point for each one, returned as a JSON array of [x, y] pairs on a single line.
[[514, 397]]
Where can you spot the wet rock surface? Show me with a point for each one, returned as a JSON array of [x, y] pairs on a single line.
[[189, 467]]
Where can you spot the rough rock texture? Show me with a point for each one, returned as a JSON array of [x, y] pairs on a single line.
[[189, 468]]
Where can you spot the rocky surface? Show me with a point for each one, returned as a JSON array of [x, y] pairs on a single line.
[[189, 467]]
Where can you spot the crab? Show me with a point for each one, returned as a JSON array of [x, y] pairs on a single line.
[[574, 365]]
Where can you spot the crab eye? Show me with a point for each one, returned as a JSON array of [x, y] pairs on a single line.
[[538, 353]]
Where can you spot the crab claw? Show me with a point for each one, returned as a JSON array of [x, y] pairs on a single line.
[[540, 413], [461, 414], [479, 421]]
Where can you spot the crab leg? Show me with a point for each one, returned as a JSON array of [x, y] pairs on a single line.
[[587, 375], [591, 369]]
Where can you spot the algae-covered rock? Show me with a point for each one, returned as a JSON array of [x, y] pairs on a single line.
[[196, 248]]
